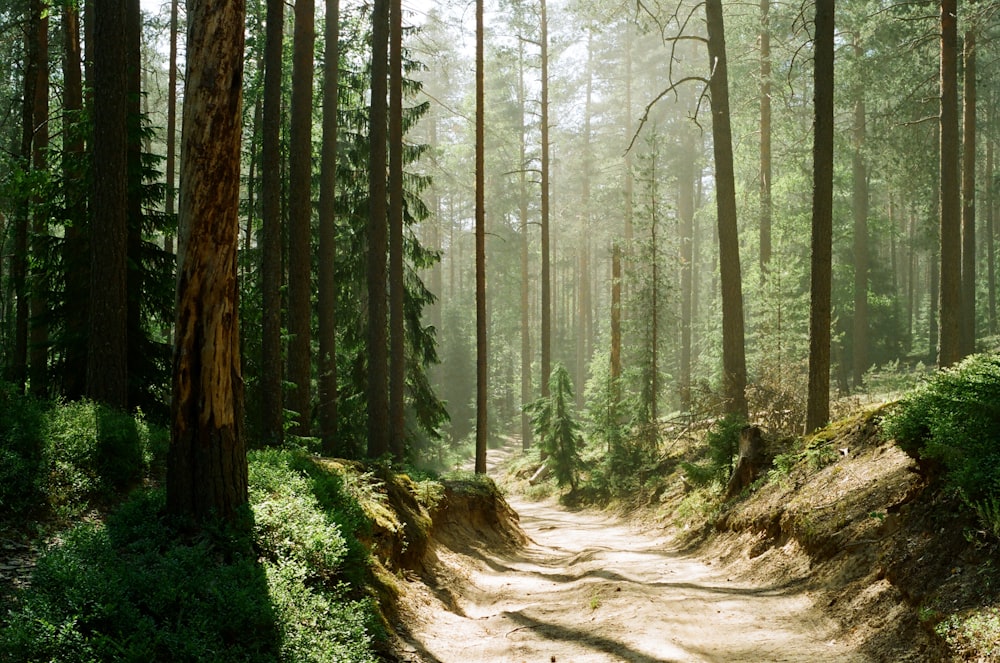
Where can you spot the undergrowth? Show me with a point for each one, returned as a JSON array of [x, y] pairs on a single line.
[[137, 588], [953, 420]]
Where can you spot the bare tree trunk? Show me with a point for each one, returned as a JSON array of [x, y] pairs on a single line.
[[75, 251], [523, 218], [107, 336], [171, 158], [733, 352], [272, 364], [969, 196], [765, 136], [950, 350], [378, 360], [818, 405], [482, 419], [397, 347], [990, 240], [860, 213], [328, 234], [616, 323], [546, 279], [39, 336], [300, 218], [685, 214], [207, 466]]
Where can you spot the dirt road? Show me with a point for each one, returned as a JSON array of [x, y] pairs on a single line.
[[589, 589]]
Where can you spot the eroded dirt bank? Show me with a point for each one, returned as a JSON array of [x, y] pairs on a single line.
[[588, 588]]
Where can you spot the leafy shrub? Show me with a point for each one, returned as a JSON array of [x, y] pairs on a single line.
[[954, 418], [22, 439], [92, 449], [291, 527], [135, 588]]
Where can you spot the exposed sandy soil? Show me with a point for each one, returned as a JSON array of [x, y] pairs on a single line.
[[589, 588]]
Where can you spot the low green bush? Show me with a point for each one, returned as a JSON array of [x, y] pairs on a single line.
[[136, 589], [22, 441], [953, 419]]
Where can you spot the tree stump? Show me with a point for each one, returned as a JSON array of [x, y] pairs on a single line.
[[751, 463]]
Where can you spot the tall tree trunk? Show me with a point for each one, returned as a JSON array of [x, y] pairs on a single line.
[[950, 350], [990, 240], [546, 340], [300, 218], [733, 352], [397, 347], [133, 83], [171, 158], [685, 214], [818, 405], [378, 359], [969, 195], [328, 233], [272, 364], [765, 135], [860, 213], [207, 465], [616, 323], [39, 345], [523, 220], [583, 282], [482, 420], [75, 251], [107, 336]]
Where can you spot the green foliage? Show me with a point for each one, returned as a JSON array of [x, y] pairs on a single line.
[[557, 431], [138, 588], [721, 446], [976, 631], [64, 456], [22, 441], [954, 419]]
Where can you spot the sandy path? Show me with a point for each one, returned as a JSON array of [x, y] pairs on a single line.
[[590, 589]]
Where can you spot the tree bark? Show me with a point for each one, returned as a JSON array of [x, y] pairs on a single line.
[[272, 364], [818, 404], [685, 214], [860, 213], [300, 219], [546, 340], [207, 466], [950, 350], [378, 360], [75, 251], [733, 352], [170, 205], [765, 136], [107, 336], [990, 241], [523, 221], [397, 345], [482, 420], [39, 336], [969, 195], [328, 234]]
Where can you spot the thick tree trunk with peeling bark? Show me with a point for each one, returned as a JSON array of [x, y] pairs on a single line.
[[207, 466]]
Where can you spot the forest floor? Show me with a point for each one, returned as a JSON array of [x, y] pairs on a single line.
[[590, 587], [849, 559]]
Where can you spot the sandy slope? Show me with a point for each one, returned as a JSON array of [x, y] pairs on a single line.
[[588, 588]]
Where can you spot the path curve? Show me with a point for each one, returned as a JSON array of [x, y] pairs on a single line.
[[588, 588]]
